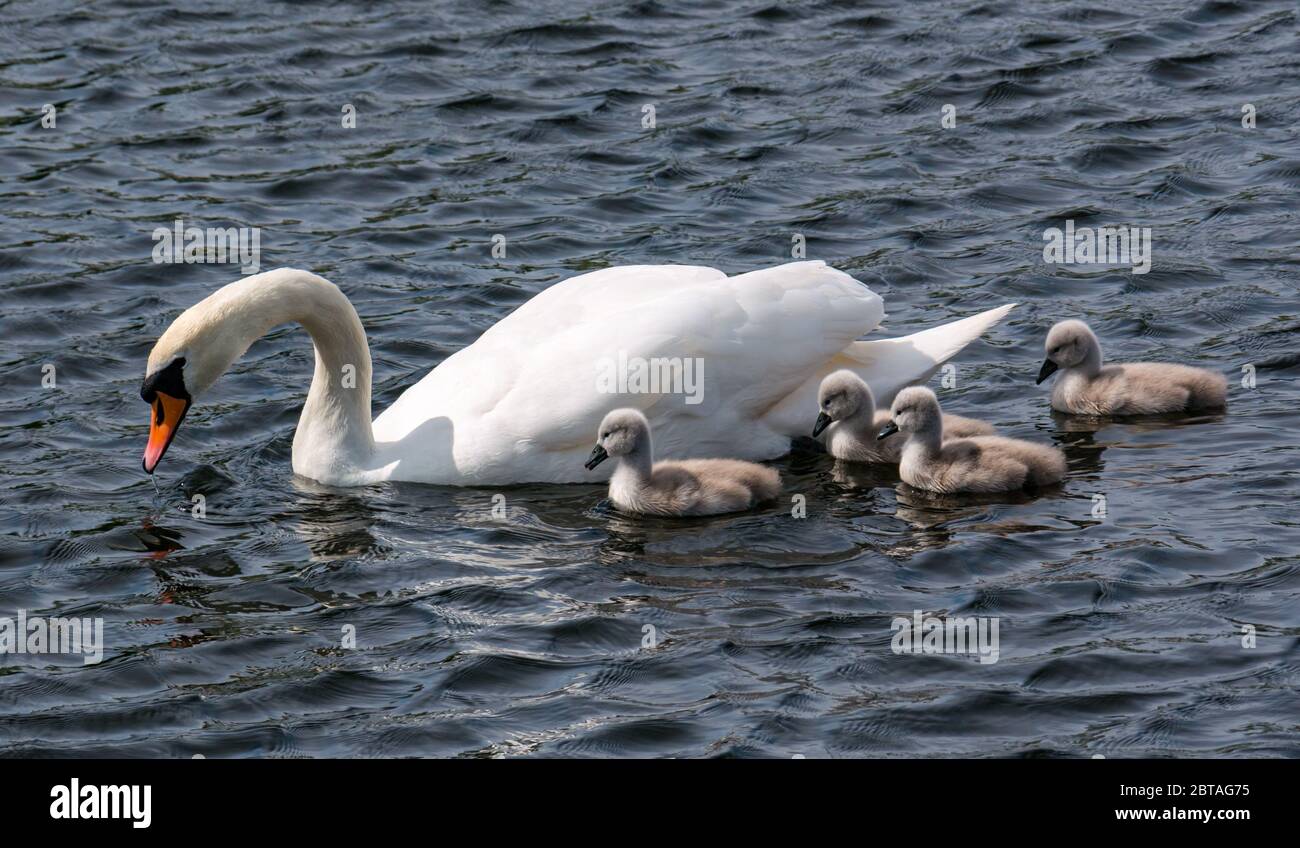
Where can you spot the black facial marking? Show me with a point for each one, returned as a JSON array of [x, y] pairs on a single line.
[[169, 380]]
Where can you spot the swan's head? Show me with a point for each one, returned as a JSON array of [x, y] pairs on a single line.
[[187, 359], [842, 395], [1069, 343], [915, 410], [621, 432]]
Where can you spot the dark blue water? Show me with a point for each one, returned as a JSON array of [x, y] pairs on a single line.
[[1120, 635]]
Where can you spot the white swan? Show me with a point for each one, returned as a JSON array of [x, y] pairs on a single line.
[[520, 403]]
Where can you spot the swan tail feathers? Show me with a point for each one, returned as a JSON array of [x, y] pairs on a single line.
[[938, 343], [888, 365]]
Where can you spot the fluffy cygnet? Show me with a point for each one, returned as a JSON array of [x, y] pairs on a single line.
[[1086, 387], [683, 487], [975, 464], [849, 418]]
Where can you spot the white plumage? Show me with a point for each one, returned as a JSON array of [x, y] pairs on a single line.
[[520, 403]]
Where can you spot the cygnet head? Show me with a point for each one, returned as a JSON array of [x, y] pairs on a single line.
[[621, 432], [842, 395], [1069, 344], [915, 410]]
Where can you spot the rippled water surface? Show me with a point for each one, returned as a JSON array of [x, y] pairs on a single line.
[[1120, 634]]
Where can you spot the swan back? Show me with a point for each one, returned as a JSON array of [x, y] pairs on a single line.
[[536, 376]]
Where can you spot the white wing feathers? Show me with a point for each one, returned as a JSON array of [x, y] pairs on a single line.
[[887, 365], [522, 403]]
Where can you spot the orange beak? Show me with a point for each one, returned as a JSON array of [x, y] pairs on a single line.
[[163, 424]]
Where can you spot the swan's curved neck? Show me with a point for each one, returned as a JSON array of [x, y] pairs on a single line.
[[1091, 364], [334, 432], [930, 438], [636, 465], [862, 422], [334, 441]]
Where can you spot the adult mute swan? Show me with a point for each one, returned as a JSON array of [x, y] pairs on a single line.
[[721, 366]]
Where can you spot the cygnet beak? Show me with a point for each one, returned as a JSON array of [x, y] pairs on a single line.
[[598, 455]]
